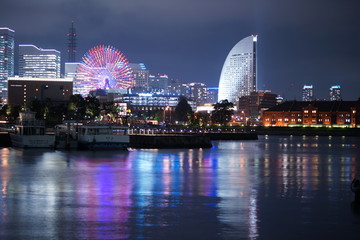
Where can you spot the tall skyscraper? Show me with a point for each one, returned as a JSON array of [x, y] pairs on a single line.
[[238, 76], [38, 62], [140, 74], [308, 93], [335, 93], [7, 44]]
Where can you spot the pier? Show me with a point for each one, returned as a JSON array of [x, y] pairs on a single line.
[[176, 137]]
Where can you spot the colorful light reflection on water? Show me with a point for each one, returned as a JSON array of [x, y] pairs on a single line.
[[273, 188]]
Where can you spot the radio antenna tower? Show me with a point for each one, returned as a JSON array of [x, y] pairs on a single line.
[[72, 43]]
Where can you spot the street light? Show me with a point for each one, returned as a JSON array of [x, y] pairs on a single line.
[[165, 109]]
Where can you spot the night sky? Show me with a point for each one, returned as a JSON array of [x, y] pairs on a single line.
[[300, 42]]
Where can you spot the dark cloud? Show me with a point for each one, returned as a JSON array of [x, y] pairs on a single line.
[[300, 42]]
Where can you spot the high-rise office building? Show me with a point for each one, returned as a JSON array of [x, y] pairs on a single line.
[[308, 93], [197, 92], [158, 83], [71, 72], [140, 75], [38, 63], [335, 93], [238, 76], [7, 44], [212, 95], [175, 87]]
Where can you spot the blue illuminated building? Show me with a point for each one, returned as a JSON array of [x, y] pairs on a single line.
[[335, 93]]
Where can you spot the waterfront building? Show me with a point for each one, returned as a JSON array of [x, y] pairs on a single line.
[[140, 75], [212, 95], [335, 93], [314, 113], [158, 83], [238, 76], [197, 92], [251, 107], [38, 63], [7, 45], [25, 89], [308, 93]]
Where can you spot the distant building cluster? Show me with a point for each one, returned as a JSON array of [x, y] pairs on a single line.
[[308, 93], [102, 67], [106, 73]]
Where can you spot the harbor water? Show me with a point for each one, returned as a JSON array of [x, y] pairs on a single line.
[[276, 187]]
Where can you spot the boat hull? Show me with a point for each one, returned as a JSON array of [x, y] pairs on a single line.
[[32, 141], [103, 142]]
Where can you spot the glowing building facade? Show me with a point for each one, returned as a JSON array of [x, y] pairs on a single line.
[[335, 93], [158, 83], [140, 74], [308, 93], [197, 92], [238, 76], [71, 72], [212, 94], [38, 63], [7, 44]]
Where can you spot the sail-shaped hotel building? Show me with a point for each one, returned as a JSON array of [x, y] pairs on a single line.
[[238, 75]]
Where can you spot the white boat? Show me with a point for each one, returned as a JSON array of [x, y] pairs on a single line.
[[96, 137], [30, 133]]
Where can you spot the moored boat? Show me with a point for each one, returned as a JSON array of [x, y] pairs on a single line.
[[97, 136], [30, 133]]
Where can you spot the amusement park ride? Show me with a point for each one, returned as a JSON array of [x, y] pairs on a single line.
[[103, 67]]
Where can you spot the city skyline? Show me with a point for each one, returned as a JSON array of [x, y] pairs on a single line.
[[299, 42]]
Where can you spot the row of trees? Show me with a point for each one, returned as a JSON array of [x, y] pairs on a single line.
[[221, 114], [78, 108], [89, 108]]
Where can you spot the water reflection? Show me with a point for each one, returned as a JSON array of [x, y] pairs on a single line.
[[235, 190]]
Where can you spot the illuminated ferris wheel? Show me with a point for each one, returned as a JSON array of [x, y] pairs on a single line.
[[103, 67]]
